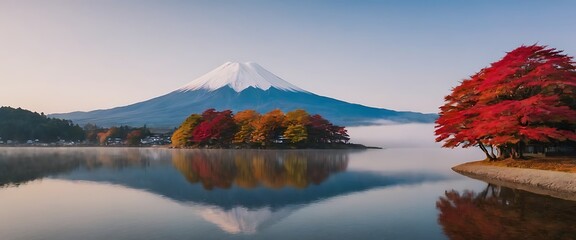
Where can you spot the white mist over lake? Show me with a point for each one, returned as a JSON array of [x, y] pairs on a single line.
[[394, 135]]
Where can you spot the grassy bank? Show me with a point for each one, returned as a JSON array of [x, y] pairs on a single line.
[[561, 164]]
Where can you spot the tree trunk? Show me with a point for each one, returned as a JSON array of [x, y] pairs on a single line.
[[492, 152], [520, 149], [505, 152], [483, 148], [514, 150]]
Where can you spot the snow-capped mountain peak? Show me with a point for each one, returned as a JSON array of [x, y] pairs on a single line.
[[270, 92], [240, 76]]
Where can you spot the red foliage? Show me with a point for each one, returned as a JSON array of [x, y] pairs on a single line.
[[216, 128], [321, 130], [504, 213], [526, 96], [222, 129]]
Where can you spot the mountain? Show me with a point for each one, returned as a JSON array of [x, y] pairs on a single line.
[[239, 86]]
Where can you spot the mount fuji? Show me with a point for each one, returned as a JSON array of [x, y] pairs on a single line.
[[239, 86]]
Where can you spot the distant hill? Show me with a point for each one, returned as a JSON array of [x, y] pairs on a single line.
[[239, 86], [21, 125]]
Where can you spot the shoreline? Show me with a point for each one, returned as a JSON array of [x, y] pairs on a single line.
[[552, 183], [331, 146]]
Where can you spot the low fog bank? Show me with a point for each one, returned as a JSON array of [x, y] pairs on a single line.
[[394, 135]]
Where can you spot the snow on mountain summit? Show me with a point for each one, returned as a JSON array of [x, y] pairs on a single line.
[[240, 76], [227, 87]]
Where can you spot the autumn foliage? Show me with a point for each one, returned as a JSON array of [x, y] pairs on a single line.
[[504, 213], [250, 129], [526, 97], [128, 135], [216, 128]]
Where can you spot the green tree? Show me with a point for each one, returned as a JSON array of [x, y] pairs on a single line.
[[23, 125]]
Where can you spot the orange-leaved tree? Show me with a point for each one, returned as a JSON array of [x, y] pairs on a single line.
[[245, 121], [268, 128]]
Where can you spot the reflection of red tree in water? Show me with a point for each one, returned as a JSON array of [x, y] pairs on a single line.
[[212, 174], [505, 213], [248, 169]]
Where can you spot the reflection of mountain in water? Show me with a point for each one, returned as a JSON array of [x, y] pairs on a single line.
[[505, 213], [243, 220], [243, 191], [229, 180], [252, 179]]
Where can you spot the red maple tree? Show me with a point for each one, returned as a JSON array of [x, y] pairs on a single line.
[[216, 128], [527, 96], [321, 130]]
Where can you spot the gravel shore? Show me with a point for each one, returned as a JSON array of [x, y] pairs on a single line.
[[552, 183]]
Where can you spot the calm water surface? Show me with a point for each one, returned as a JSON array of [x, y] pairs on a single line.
[[147, 193]]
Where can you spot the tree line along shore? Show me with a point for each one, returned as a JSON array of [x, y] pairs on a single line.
[[250, 129], [210, 129]]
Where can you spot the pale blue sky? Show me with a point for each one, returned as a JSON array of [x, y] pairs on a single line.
[[60, 56]]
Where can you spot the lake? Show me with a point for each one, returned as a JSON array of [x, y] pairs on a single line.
[[157, 193]]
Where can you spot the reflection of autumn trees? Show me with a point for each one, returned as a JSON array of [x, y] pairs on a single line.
[[212, 168], [115, 159], [505, 213], [248, 169]]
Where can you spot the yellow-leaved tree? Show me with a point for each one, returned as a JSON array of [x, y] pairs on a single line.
[[295, 123], [183, 135]]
